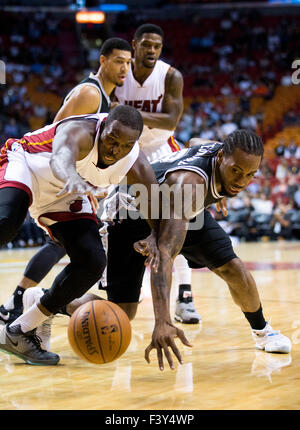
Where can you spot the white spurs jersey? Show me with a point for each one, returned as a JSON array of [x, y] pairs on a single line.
[[147, 97]]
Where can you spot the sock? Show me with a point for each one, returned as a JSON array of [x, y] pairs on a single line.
[[256, 319], [31, 319], [15, 301], [183, 273], [185, 293]]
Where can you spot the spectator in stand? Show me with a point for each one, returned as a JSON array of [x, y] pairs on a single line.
[[11, 129], [249, 122], [280, 223], [290, 150], [228, 127], [282, 169]]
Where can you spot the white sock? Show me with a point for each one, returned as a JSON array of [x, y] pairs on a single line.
[[183, 272], [9, 305], [30, 319]]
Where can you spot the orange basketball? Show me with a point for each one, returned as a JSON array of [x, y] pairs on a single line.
[[99, 331]]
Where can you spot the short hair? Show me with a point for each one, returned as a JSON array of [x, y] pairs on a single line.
[[114, 43], [126, 115], [246, 140], [148, 28]]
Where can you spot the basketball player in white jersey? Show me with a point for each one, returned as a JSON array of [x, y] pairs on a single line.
[[155, 89], [92, 95]]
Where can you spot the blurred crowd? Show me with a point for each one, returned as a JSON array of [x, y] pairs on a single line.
[[232, 59]]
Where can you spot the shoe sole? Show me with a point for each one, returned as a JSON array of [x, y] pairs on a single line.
[[190, 321], [22, 357], [262, 348]]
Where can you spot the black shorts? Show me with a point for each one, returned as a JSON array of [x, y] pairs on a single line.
[[208, 247]]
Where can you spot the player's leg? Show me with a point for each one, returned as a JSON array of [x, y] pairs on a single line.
[[244, 292], [37, 268], [125, 267], [14, 205], [185, 311], [87, 261], [211, 247]]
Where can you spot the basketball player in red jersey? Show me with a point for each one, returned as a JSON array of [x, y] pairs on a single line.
[[155, 88], [92, 95]]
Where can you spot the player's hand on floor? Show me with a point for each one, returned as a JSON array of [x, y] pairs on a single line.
[[163, 339], [148, 248]]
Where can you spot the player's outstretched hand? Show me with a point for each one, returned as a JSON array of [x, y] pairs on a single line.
[[163, 337], [77, 185], [148, 248]]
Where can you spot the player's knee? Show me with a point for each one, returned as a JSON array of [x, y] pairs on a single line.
[[231, 271], [94, 264], [8, 230]]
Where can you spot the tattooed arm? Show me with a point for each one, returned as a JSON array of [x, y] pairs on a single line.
[[171, 237]]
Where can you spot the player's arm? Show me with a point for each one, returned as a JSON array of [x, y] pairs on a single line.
[[72, 142], [142, 176], [172, 105], [84, 100], [171, 237]]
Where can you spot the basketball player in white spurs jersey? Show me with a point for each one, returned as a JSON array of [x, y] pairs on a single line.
[[155, 89], [92, 95]]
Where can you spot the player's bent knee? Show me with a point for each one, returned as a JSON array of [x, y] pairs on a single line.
[[231, 270]]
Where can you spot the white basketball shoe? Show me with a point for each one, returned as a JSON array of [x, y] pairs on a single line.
[[31, 296], [271, 340]]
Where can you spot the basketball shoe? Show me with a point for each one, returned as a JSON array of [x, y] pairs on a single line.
[[26, 346], [32, 296], [271, 340], [185, 311]]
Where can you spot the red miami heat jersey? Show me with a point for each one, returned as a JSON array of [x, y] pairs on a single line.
[[25, 164]]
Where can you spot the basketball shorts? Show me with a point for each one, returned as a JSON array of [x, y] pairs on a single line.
[[208, 247], [45, 207]]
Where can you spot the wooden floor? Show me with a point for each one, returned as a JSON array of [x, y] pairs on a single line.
[[222, 371]]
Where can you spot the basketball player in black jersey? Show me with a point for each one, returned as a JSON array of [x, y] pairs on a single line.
[[222, 170], [92, 95]]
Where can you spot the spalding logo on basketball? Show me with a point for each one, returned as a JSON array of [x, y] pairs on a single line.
[[99, 331]]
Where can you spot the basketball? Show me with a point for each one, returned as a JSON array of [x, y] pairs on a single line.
[[99, 331]]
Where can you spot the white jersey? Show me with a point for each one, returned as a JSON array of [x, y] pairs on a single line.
[[148, 97], [27, 163]]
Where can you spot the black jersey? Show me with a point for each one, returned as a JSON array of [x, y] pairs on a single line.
[[200, 159], [104, 106]]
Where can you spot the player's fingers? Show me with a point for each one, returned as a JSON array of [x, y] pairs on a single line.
[[160, 358], [182, 337], [176, 352], [168, 357], [147, 352]]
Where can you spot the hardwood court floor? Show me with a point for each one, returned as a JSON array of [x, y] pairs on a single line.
[[222, 370]]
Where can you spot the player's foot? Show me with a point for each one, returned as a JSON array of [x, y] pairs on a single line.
[[185, 311], [30, 297], [13, 308], [26, 346], [271, 340]]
